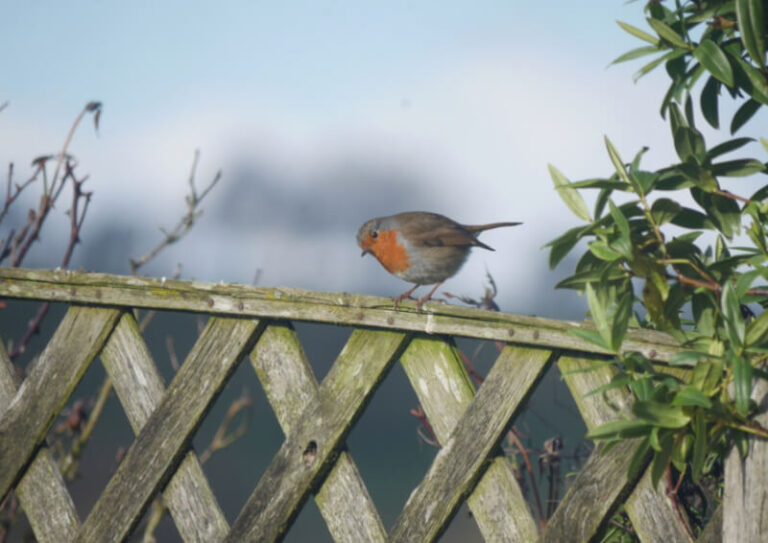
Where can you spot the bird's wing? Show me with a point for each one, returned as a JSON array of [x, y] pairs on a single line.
[[447, 235]]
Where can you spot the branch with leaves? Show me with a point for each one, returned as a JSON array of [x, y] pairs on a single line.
[[651, 261]]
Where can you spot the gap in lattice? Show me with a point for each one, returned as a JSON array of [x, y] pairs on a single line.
[[478, 356], [462, 528], [322, 344], [103, 450], [549, 422], [309, 526], [15, 320], [234, 471], [165, 530], [170, 336], [385, 445]]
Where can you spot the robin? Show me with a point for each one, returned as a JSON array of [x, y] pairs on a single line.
[[421, 247]]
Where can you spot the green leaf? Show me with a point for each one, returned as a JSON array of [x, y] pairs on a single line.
[[636, 53], [618, 164], [708, 102], [562, 245], [598, 308], [664, 210], [738, 168], [690, 218], [623, 244], [689, 144], [700, 448], [661, 459], [616, 382], [715, 61], [680, 450], [621, 320], [731, 309], [744, 114], [685, 358], [727, 147], [603, 251], [690, 395], [668, 34], [599, 184], [757, 330], [620, 429], [742, 383], [755, 84], [570, 196], [675, 53], [707, 375], [659, 414], [723, 211], [749, 15], [639, 459], [636, 32], [590, 336]]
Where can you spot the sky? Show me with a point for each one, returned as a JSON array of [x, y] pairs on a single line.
[[322, 115]]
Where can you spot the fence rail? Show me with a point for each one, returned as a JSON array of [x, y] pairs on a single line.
[[255, 323]]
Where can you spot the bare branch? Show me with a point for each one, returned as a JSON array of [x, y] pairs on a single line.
[[185, 223]]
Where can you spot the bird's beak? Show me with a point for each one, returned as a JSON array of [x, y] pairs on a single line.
[[365, 252]]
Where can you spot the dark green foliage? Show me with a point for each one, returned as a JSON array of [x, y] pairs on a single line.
[[669, 261]]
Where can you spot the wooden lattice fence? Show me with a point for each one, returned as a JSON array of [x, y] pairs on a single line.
[[316, 417]]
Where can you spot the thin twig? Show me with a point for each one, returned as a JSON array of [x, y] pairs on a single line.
[[185, 223]]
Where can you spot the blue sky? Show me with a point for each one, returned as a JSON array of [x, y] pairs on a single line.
[[461, 104]]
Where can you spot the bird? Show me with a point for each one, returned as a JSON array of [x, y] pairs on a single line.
[[421, 247]]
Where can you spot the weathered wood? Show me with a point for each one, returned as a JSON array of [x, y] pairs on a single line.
[[713, 531], [140, 389], [594, 494], [48, 386], [440, 380], [745, 502], [162, 441], [290, 386], [603, 482], [41, 491], [458, 465], [316, 435], [295, 304]]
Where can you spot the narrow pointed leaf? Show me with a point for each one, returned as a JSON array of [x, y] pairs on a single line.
[[749, 15], [569, 195], [667, 33], [636, 32], [742, 383], [715, 61]]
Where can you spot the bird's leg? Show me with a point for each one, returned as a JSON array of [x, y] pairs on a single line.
[[404, 295], [422, 301]]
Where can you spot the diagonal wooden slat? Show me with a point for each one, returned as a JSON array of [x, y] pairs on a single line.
[[316, 435], [139, 386], [161, 443], [296, 304], [599, 487], [41, 491], [745, 494], [461, 460], [48, 386], [440, 380], [290, 385], [603, 483]]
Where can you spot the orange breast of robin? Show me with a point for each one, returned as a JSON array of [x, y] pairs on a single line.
[[390, 252]]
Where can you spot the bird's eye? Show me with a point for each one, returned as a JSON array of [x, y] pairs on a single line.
[[375, 234]]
